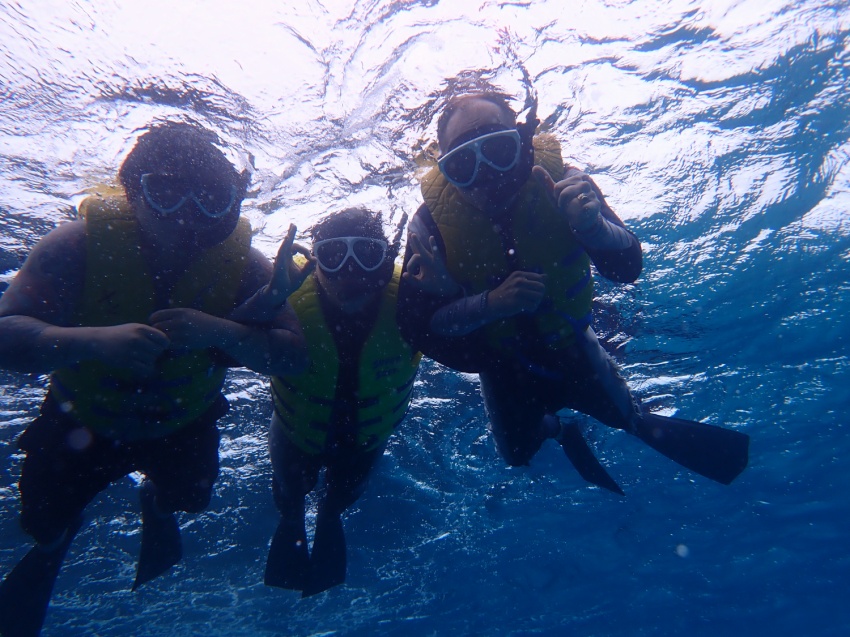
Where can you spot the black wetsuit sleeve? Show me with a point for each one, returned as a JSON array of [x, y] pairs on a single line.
[[624, 264], [416, 308]]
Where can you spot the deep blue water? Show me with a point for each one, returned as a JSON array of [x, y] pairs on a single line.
[[721, 134]]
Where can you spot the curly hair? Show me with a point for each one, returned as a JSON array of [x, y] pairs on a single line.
[[179, 148], [351, 222]]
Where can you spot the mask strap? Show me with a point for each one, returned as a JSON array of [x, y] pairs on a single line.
[[528, 128], [395, 245]]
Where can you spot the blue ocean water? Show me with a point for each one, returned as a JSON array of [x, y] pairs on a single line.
[[719, 132]]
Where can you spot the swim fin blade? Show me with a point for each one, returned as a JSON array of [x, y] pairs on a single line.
[[25, 593], [583, 459], [714, 452], [327, 559], [288, 563], [161, 544]]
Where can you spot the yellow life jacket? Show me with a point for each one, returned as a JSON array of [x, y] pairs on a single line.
[[386, 371], [119, 289], [477, 252]]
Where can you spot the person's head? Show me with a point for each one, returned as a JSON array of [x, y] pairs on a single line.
[[354, 258], [177, 177], [484, 153]]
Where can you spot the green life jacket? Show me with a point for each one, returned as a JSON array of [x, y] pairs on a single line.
[[533, 235], [386, 370], [118, 289]]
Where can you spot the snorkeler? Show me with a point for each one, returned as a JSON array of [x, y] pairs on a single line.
[[340, 414], [512, 232], [127, 307]]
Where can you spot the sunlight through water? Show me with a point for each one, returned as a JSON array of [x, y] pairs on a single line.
[[719, 132]]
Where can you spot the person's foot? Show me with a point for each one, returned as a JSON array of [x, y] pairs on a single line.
[[552, 427], [25, 592], [161, 544], [575, 447], [288, 563], [328, 559]]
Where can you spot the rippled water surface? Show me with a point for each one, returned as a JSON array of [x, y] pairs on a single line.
[[718, 131]]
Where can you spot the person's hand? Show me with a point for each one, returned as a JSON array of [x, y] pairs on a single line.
[[287, 275], [575, 197], [520, 292], [189, 329], [426, 269], [132, 346]]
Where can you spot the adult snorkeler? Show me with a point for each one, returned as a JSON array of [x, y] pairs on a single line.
[[340, 414], [513, 232], [128, 309]]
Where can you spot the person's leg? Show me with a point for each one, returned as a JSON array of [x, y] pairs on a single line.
[[347, 474], [180, 471], [295, 474], [594, 386], [64, 468], [183, 466], [714, 452], [515, 406]]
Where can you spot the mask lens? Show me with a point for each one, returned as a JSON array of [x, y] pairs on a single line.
[[460, 167], [370, 253], [215, 200], [331, 253], [164, 193], [500, 150]]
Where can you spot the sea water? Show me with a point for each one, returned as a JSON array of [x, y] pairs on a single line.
[[719, 133]]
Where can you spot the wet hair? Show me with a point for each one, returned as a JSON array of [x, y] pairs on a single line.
[[182, 149], [359, 222], [351, 222], [456, 103]]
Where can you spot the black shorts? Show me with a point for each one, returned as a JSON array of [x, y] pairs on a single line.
[[67, 465]]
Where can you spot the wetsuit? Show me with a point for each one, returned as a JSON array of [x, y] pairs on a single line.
[[529, 365]]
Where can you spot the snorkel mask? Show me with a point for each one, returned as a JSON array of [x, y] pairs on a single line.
[[508, 154]]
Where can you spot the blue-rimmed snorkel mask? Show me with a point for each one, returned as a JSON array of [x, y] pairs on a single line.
[[499, 149], [351, 245], [507, 152], [178, 175], [366, 252], [166, 194]]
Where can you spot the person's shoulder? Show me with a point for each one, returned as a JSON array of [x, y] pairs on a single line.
[[49, 280], [65, 241], [422, 220], [257, 257], [258, 267], [74, 229]]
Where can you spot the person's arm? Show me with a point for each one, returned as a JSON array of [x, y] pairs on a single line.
[[417, 305], [286, 277], [36, 331], [267, 340], [520, 293], [614, 250]]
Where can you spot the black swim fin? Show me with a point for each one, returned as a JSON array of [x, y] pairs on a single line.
[[25, 593], [161, 545], [714, 452], [327, 559], [288, 563], [583, 459]]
